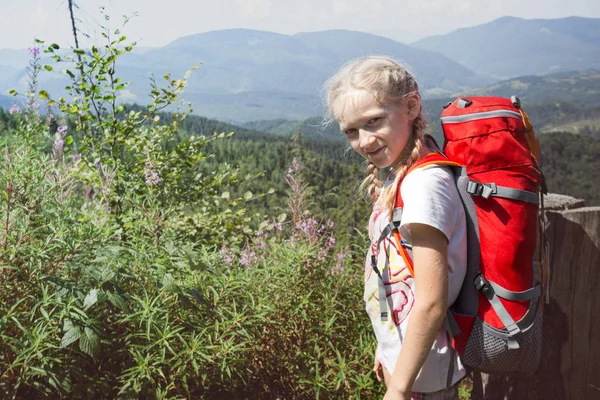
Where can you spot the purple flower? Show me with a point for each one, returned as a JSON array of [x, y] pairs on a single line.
[[227, 255], [248, 257], [152, 177], [340, 262], [296, 166], [34, 51], [59, 144], [15, 109], [331, 242], [62, 130], [76, 157]]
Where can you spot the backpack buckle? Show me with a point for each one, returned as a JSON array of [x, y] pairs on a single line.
[[479, 189], [480, 282]]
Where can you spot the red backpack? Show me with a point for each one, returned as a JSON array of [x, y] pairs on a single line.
[[496, 321]]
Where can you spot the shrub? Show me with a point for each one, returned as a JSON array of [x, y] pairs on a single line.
[[126, 270]]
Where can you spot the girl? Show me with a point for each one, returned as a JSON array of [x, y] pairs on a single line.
[[376, 101]]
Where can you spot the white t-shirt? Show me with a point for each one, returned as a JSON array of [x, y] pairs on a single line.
[[430, 197]]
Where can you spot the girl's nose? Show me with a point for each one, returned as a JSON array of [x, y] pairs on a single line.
[[366, 139]]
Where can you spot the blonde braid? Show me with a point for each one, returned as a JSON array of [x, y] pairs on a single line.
[[414, 149], [372, 184]]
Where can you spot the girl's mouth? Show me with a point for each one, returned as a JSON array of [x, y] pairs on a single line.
[[376, 152]]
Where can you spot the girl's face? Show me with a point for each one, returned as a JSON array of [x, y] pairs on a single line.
[[378, 132]]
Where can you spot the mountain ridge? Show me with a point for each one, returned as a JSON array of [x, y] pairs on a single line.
[[543, 46]]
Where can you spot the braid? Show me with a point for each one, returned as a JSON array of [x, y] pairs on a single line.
[[411, 154], [372, 183]]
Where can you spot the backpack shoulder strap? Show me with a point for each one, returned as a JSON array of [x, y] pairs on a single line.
[[429, 159], [404, 248]]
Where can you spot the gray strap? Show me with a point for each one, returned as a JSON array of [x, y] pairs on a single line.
[[451, 366], [529, 294], [447, 325], [463, 103], [397, 215], [381, 288], [486, 190], [515, 194], [385, 232], [451, 325], [482, 285]]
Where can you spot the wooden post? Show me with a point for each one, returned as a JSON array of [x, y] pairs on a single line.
[[570, 366]]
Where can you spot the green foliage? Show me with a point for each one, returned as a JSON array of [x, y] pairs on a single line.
[[570, 163], [132, 266]]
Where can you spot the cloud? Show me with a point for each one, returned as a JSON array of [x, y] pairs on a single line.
[[39, 18], [255, 9], [361, 8]]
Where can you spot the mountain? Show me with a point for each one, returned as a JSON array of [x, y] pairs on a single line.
[[509, 47], [6, 102], [248, 75]]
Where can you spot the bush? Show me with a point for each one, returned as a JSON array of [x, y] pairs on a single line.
[[126, 270]]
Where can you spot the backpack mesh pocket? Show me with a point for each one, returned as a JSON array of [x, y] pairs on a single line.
[[489, 352]]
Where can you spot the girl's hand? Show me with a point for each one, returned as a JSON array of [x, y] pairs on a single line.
[[392, 394], [378, 369]]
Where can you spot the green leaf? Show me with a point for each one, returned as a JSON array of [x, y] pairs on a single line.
[[225, 195], [169, 283], [248, 195], [90, 299], [67, 324], [70, 336], [55, 46], [281, 218], [271, 191], [43, 94], [13, 92], [117, 301], [48, 67], [197, 296], [68, 140], [89, 342]]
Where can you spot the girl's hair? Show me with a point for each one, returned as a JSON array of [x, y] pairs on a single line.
[[387, 80]]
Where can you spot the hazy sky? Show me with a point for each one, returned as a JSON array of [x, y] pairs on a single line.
[[160, 22]]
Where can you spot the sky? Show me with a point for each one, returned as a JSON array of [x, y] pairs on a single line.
[[159, 22]]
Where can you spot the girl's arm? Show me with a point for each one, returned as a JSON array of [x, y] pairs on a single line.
[[430, 248]]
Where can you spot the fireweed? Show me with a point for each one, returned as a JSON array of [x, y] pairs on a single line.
[[110, 290]]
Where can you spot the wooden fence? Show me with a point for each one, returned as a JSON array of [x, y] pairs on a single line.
[[570, 366]]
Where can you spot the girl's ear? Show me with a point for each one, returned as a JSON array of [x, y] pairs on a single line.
[[413, 106]]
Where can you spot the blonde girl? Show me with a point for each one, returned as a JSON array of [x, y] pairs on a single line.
[[377, 103]]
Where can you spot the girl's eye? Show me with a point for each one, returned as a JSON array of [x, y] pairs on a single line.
[[349, 131], [373, 121]]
